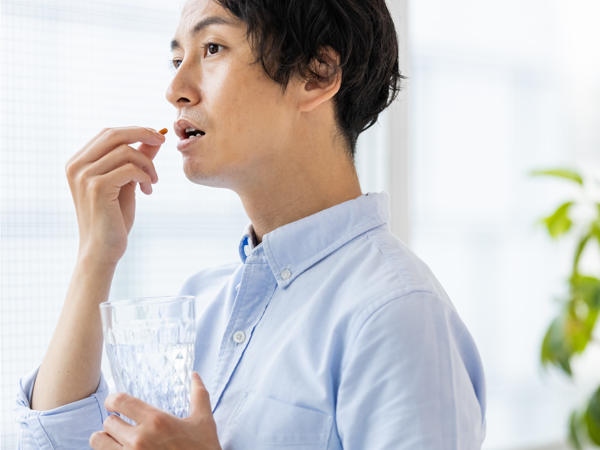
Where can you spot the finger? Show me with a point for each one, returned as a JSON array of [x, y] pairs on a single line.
[[119, 156], [129, 406], [102, 440], [199, 398], [149, 150], [86, 146], [113, 137], [111, 183], [123, 175], [120, 430]]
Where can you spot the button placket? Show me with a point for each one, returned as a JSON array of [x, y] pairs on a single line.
[[250, 304]]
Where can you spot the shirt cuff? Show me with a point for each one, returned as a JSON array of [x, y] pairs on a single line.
[[67, 426]]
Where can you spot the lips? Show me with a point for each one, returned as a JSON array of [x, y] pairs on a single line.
[[182, 124], [187, 143]]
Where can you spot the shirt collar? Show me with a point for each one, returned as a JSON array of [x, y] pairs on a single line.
[[296, 246], [247, 243]]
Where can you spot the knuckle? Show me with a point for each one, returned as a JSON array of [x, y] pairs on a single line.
[[119, 398], [93, 439], [131, 167], [140, 171], [132, 156], [79, 179], [94, 185], [144, 160], [109, 133], [139, 443], [109, 420], [156, 422], [83, 174], [69, 169], [123, 151], [130, 152]]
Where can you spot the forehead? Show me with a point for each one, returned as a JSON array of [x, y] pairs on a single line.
[[195, 10]]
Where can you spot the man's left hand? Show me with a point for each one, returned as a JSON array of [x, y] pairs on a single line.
[[156, 429]]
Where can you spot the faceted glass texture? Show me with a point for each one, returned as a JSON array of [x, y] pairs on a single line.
[[150, 343]]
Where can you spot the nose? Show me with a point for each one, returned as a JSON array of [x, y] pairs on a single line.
[[183, 87]]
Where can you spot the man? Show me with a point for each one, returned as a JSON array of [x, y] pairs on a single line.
[[329, 333]]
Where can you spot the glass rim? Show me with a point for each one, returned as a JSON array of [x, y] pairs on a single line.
[[162, 299]]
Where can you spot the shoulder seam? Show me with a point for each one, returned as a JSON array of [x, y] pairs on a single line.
[[375, 309]]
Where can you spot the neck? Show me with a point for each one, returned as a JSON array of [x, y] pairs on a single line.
[[298, 188]]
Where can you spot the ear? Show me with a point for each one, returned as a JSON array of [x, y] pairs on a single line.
[[319, 88]]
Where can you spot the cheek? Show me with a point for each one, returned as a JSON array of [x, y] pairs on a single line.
[[249, 111]]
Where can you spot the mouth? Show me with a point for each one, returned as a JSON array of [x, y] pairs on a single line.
[[187, 142], [190, 132], [187, 130]]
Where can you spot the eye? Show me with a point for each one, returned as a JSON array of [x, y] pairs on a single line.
[[211, 48], [174, 63]]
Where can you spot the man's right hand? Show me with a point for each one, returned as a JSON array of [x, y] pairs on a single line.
[[102, 178]]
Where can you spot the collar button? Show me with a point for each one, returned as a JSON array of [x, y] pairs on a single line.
[[285, 274]]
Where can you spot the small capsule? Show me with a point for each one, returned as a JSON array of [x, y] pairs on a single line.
[[163, 131]]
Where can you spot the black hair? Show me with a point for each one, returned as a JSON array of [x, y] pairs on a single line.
[[288, 35]]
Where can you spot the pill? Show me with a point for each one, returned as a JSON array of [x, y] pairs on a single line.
[[163, 131]]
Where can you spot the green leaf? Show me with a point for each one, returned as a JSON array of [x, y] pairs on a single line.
[[577, 333], [567, 174], [555, 348], [586, 288], [595, 227], [568, 334], [579, 250], [575, 426], [592, 417], [559, 222]]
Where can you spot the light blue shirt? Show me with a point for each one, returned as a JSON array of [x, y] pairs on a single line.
[[329, 334]]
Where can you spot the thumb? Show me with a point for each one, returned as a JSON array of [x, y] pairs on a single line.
[[199, 397]]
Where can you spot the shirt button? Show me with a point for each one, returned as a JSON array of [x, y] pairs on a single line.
[[247, 250], [285, 274], [237, 286], [239, 337]]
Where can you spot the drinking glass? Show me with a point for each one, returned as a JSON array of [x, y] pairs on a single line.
[[150, 343]]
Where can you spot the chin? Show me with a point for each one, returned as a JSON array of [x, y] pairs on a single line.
[[200, 174]]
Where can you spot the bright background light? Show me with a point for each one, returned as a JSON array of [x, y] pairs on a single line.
[[498, 89], [495, 89]]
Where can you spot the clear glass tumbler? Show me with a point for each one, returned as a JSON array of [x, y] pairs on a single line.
[[150, 342]]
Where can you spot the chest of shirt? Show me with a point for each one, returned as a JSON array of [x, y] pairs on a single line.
[[279, 357]]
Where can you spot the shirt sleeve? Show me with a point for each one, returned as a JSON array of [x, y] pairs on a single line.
[[66, 427], [413, 378]]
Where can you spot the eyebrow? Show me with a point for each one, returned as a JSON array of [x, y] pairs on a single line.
[[204, 23]]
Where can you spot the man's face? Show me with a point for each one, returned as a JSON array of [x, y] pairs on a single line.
[[248, 121]]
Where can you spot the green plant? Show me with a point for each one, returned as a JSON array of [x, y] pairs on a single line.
[[573, 329]]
